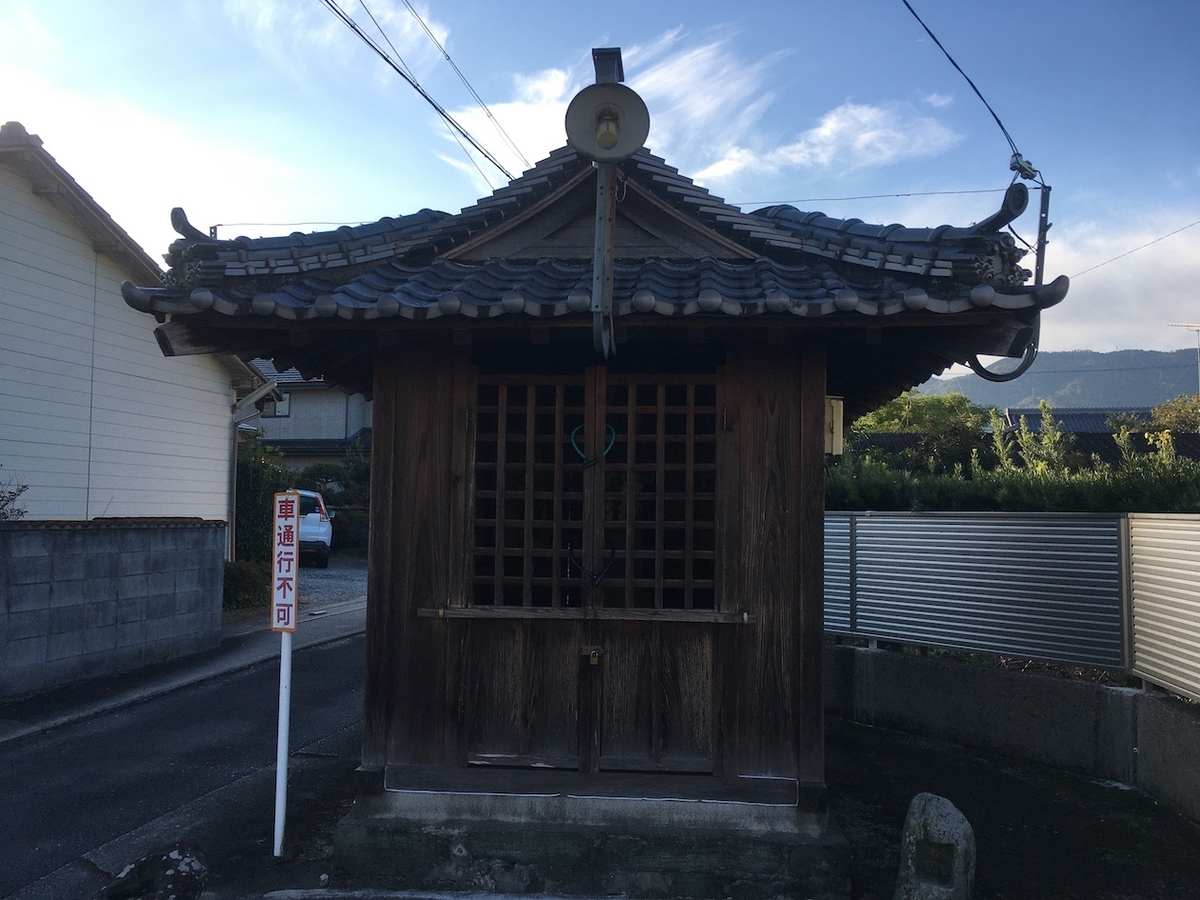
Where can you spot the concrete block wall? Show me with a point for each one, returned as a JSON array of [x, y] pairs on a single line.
[[84, 599], [1142, 738], [1169, 752]]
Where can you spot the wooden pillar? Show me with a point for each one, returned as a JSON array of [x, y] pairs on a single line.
[[809, 716], [771, 540], [416, 555]]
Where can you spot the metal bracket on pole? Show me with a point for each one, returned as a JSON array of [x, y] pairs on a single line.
[[607, 123], [602, 259]]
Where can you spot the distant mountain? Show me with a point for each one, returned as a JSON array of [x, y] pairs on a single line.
[[1123, 378]]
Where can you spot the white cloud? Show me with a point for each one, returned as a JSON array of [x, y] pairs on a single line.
[[300, 37], [1128, 302], [852, 136], [703, 99], [100, 141], [939, 101], [707, 107], [23, 35], [532, 121]]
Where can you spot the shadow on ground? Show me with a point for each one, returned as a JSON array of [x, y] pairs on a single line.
[[1041, 832]]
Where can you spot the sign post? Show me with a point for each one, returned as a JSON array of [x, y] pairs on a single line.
[[285, 561]]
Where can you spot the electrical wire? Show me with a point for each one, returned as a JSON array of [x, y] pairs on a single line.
[[345, 18], [1136, 249], [281, 224], [409, 73], [863, 197], [399, 59], [495, 122], [1011, 143], [1023, 169]]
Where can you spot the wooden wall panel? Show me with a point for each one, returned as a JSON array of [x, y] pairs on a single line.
[[523, 705], [377, 692], [409, 709], [657, 707], [629, 702], [686, 696], [761, 485], [496, 704]]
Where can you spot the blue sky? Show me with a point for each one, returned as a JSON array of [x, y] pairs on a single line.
[[270, 116]]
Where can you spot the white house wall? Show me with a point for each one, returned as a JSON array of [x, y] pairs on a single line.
[[93, 418], [318, 414]]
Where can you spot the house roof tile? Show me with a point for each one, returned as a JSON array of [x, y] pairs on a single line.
[[808, 265]]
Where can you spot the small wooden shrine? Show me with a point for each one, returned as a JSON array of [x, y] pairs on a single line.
[[594, 635]]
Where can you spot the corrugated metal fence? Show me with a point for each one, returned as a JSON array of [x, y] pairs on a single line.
[[1108, 591], [1164, 574]]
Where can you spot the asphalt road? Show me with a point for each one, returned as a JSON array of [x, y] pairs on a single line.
[[196, 764]]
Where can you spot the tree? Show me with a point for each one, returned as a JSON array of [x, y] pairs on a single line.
[[261, 474], [325, 478], [357, 467], [1181, 415], [951, 429], [1049, 448], [10, 492]]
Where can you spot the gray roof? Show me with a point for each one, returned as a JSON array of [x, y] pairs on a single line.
[[285, 378], [23, 152], [1075, 419], [800, 264]]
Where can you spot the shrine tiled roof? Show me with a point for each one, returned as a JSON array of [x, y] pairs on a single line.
[[798, 264]]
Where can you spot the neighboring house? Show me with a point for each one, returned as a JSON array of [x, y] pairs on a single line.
[[1090, 433], [126, 455], [312, 422], [93, 418], [1076, 419], [594, 626]]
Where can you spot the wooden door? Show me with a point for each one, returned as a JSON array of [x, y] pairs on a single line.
[[593, 601], [655, 603]]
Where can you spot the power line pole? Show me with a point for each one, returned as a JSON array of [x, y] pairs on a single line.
[[1196, 328]]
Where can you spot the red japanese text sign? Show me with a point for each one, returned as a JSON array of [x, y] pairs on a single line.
[[285, 561]]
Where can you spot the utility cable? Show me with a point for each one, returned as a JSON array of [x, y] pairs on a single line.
[[863, 197], [399, 59], [1136, 249], [409, 74], [332, 6], [499, 128], [1023, 169], [1011, 143]]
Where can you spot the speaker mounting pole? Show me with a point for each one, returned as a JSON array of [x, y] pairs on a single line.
[[607, 123]]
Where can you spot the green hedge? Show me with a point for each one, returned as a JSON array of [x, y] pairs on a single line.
[[247, 584], [1146, 483]]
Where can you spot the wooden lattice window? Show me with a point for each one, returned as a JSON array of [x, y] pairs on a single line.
[[660, 495], [528, 500], [656, 487]]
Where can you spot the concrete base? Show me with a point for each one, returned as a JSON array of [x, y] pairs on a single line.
[[575, 835], [1147, 739]]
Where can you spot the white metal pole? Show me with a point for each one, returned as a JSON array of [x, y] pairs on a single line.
[[281, 756], [1197, 330]]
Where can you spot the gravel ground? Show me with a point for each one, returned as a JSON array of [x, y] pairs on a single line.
[[343, 581]]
